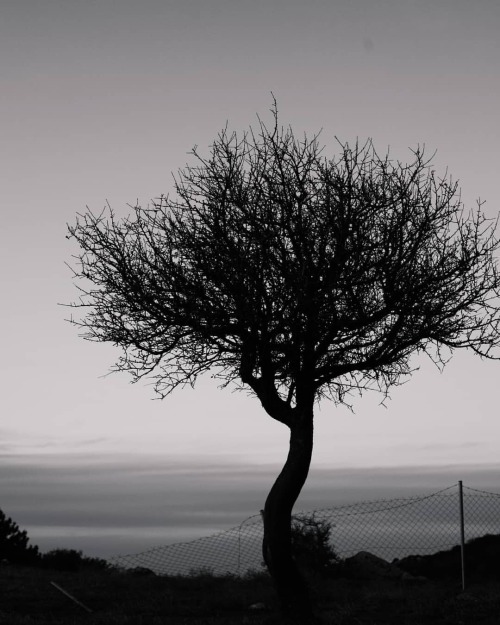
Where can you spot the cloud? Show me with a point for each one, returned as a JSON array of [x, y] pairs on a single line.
[[121, 504], [109, 492]]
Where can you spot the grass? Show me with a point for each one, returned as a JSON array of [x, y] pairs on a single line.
[[28, 598]]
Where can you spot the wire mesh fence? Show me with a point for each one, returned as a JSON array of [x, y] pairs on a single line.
[[388, 528]]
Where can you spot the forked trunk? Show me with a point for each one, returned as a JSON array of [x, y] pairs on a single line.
[[277, 545]]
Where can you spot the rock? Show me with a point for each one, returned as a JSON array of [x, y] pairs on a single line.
[[408, 578], [141, 571], [257, 607], [466, 598], [365, 565]]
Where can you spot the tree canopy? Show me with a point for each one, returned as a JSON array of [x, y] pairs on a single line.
[[14, 543], [283, 269]]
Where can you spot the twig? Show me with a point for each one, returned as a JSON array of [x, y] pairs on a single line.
[[65, 592]]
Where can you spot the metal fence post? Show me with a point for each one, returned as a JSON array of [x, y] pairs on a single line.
[[462, 531], [239, 550]]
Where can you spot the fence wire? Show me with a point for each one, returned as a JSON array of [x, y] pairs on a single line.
[[388, 528]]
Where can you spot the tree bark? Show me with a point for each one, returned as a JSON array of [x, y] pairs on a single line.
[[277, 544]]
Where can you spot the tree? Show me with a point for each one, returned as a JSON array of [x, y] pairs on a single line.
[[14, 545], [295, 276]]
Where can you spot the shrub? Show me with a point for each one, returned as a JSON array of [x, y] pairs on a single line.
[[481, 561], [312, 546], [72, 560]]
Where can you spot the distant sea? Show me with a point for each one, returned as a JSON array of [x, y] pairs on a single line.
[[107, 508]]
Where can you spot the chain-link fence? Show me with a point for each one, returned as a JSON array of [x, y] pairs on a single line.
[[388, 528]]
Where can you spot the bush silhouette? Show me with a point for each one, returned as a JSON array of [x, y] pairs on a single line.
[[71, 560], [481, 560], [63, 559], [312, 547]]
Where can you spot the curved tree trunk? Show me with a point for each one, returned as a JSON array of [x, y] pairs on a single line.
[[277, 545]]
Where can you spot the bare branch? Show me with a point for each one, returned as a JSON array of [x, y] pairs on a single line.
[[289, 272]]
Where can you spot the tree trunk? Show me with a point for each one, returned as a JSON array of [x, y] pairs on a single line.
[[277, 544]]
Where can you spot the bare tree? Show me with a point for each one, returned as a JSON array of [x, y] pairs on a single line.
[[296, 276]]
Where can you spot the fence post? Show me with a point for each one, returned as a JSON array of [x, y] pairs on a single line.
[[239, 549], [462, 531]]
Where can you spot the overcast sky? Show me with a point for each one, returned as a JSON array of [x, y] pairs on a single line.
[[102, 100]]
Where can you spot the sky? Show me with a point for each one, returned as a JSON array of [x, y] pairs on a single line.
[[101, 101]]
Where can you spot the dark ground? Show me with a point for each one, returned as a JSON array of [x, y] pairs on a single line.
[[27, 597]]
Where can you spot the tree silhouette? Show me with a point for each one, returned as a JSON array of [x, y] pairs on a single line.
[[14, 545], [295, 276]]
